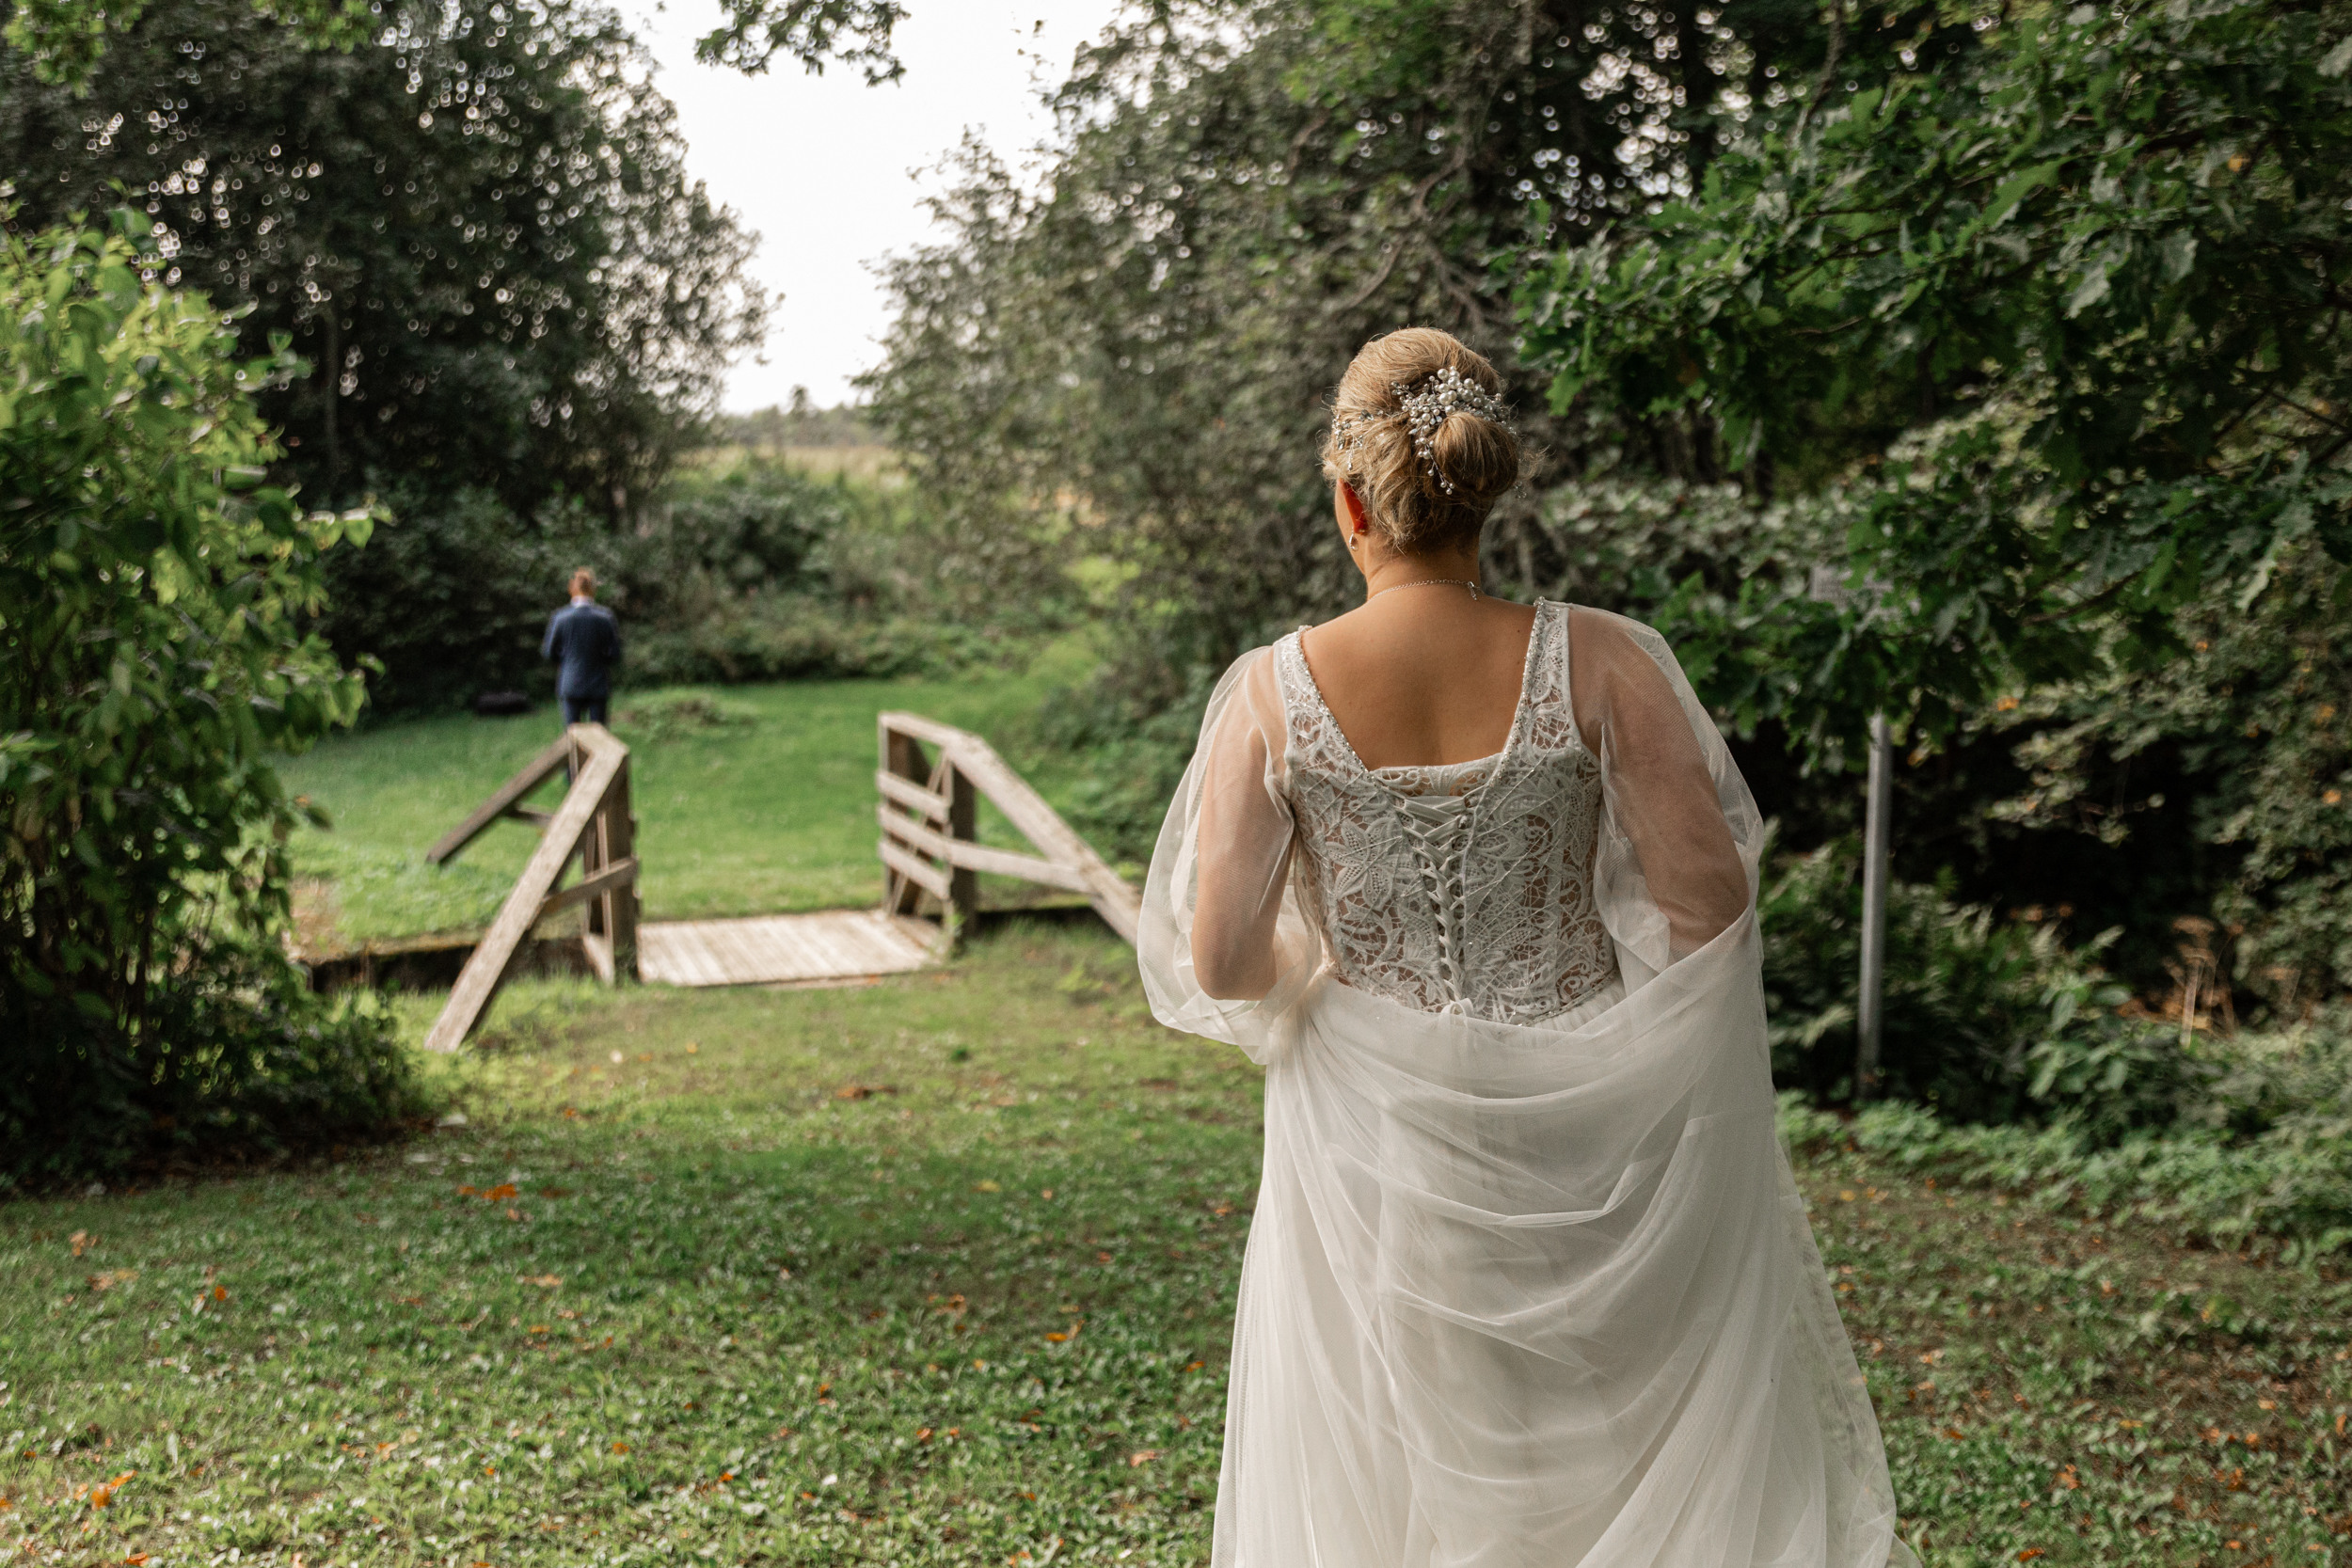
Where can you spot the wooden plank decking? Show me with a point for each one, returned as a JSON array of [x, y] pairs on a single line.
[[834, 944]]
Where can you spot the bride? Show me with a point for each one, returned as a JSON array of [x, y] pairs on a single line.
[[1529, 1281]]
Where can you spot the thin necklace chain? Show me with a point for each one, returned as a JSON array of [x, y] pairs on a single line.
[[1433, 582]]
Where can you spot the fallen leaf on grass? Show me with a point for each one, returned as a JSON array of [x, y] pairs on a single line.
[[498, 1194], [1141, 1457], [545, 1281], [864, 1091], [104, 1492], [112, 1278], [986, 1187], [82, 1241], [136, 1559]]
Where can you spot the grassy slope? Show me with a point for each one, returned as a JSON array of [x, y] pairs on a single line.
[[754, 818], [941, 1272]]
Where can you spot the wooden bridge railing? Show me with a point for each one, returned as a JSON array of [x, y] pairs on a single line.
[[928, 813], [593, 824]]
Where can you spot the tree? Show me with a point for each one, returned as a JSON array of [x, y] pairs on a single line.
[[152, 594], [67, 40], [476, 224], [2067, 313], [1243, 192]]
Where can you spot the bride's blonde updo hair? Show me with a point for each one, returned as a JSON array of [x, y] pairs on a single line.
[[1417, 428]]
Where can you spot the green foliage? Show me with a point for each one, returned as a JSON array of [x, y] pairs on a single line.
[[1133, 759], [857, 32], [799, 637], [66, 40], [2096, 271], [2240, 744], [2286, 1190], [1243, 193], [476, 224], [152, 591], [751, 571], [1984, 1022]]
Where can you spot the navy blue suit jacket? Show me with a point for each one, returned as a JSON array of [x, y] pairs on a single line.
[[587, 640]]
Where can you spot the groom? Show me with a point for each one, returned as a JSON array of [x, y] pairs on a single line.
[[585, 637]]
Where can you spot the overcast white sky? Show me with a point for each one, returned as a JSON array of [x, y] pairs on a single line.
[[819, 164]]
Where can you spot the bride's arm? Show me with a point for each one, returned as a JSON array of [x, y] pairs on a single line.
[[1243, 846], [1659, 789]]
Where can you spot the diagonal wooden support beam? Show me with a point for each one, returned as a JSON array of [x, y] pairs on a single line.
[[503, 802], [605, 768], [619, 874]]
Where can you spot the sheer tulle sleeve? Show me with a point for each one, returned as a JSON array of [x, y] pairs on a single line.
[[1225, 945], [1680, 836]]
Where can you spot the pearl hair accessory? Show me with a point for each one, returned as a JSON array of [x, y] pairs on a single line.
[[1443, 395]]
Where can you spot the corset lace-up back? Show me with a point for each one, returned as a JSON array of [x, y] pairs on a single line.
[[1465, 888]]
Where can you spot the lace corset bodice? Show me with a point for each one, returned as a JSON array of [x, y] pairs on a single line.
[[1464, 888]]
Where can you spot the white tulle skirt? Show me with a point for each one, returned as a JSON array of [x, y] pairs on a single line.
[[1541, 1295]]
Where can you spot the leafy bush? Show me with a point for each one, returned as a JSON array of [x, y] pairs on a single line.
[[2241, 747], [751, 572], [234, 1057], [1134, 757], [453, 594], [2288, 1187], [152, 595], [799, 637], [1985, 1021]]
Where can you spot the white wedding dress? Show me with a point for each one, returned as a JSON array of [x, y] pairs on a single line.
[[1529, 1281]]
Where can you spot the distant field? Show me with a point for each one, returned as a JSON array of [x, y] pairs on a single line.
[[774, 811], [876, 463]]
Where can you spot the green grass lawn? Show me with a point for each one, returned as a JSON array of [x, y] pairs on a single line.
[[770, 812], [940, 1271]]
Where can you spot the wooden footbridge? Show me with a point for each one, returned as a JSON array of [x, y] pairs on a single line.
[[928, 784]]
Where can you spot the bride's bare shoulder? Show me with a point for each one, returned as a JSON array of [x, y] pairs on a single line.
[[1372, 630]]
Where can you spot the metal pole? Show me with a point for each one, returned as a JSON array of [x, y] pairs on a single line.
[[1871, 1014]]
